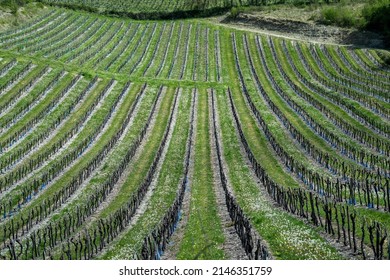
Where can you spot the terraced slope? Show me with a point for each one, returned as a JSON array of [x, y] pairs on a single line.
[[124, 139]]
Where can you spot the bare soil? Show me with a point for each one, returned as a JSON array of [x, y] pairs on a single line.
[[302, 29]]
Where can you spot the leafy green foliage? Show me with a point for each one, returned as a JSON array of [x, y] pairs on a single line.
[[14, 4], [340, 15], [234, 12], [377, 16]]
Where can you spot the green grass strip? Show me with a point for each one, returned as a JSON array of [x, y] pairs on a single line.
[[203, 236]]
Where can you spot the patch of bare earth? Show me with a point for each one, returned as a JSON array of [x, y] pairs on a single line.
[[302, 29]]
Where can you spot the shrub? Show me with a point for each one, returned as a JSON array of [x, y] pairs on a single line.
[[234, 12], [385, 56], [340, 16], [377, 15], [14, 5]]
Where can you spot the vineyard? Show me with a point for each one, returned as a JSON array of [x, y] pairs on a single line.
[[129, 139], [159, 9]]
